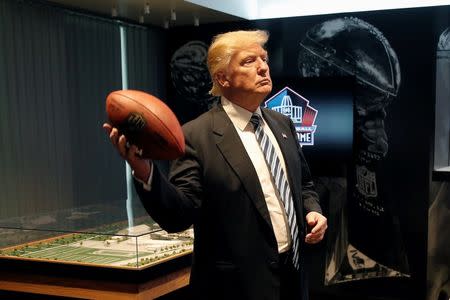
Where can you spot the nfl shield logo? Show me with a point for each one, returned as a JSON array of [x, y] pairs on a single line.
[[295, 106]]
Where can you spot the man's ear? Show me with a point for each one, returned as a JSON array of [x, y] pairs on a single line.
[[222, 79]]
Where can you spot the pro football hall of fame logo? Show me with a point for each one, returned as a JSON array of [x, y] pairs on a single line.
[[295, 106]]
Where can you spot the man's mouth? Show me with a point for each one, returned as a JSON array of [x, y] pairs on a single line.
[[264, 82]]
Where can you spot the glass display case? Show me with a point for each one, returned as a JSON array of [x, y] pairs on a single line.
[[441, 168], [93, 235]]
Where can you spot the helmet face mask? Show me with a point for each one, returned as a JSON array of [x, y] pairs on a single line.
[[370, 114]]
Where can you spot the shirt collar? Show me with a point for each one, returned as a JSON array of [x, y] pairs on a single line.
[[239, 116]]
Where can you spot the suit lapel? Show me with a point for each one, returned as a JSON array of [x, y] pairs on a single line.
[[232, 149]]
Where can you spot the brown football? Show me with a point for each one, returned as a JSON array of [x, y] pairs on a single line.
[[146, 122]]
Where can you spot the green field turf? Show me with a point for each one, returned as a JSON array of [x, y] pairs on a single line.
[[83, 254]]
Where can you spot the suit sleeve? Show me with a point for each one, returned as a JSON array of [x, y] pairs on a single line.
[[309, 194], [175, 202]]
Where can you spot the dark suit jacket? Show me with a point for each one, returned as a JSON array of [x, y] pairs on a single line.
[[214, 186]]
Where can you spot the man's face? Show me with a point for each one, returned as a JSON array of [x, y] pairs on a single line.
[[247, 76]]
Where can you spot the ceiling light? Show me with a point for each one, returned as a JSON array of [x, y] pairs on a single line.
[[166, 24], [196, 21], [113, 12], [147, 8], [173, 15]]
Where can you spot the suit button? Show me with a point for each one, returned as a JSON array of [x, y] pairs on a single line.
[[274, 265]]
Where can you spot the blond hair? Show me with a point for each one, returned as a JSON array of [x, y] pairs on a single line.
[[225, 45]]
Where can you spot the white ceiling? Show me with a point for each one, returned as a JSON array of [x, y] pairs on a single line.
[[266, 9]]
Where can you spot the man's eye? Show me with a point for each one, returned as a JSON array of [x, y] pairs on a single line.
[[249, 60]]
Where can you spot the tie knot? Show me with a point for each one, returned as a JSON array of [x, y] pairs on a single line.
[[255, 120]]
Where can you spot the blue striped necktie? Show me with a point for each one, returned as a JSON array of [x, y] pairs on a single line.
[[281, 184]]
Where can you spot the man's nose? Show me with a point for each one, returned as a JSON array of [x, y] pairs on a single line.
[[263, 67]]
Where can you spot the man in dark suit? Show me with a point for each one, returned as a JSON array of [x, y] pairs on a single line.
[[250, 222]]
